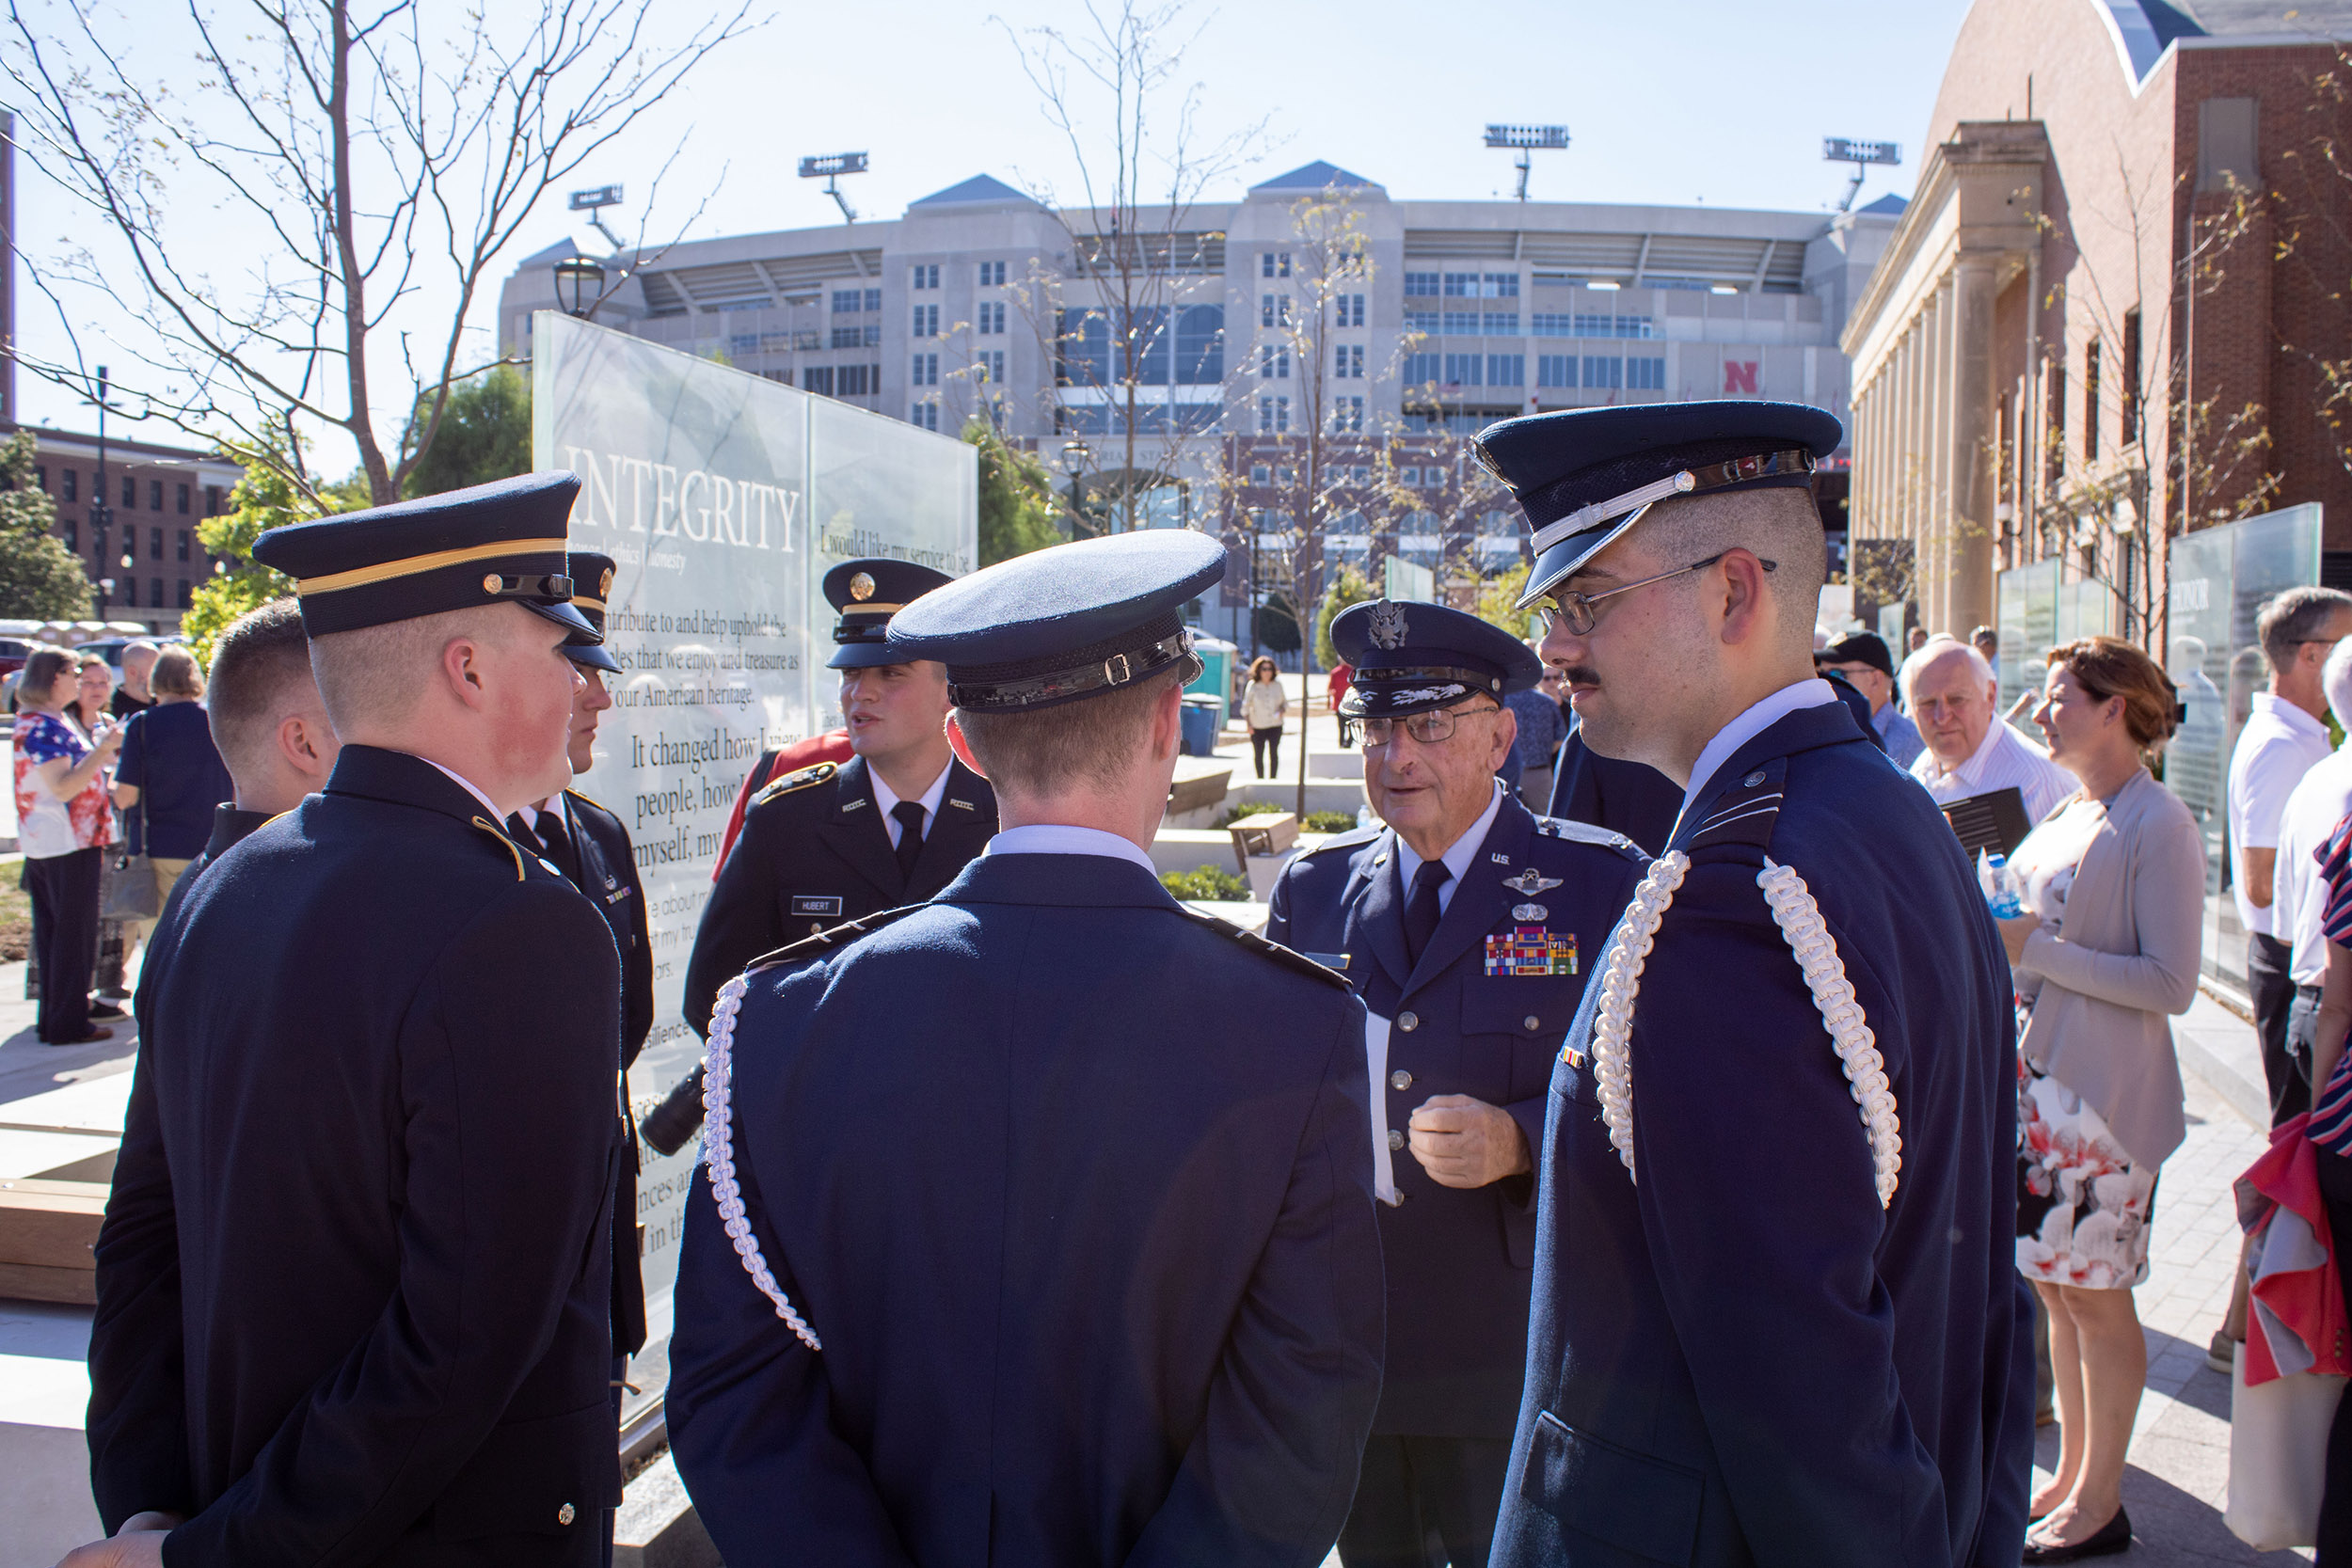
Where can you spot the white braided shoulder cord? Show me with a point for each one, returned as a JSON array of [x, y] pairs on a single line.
[[1798, 917], [718, 1154]]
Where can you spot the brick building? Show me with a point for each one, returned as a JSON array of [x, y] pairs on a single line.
[[2112, 307], [142, 537]]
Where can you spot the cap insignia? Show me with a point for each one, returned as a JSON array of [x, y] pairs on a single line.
[[1485, 461], [1388, 624], [492, 583], [604, 587], [861, 587]]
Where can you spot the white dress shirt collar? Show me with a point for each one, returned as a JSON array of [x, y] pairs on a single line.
[[1457, 858], [467, 785], [1812, 691], [1056, 838], [2287, 715], [887, 798]]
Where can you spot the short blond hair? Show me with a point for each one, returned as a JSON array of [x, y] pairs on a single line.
[[376, 673], [176, 674]]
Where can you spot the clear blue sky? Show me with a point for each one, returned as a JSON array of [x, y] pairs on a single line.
[[1673, 101]]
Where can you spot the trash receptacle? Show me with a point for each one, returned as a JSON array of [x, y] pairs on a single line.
[[1200, 725]]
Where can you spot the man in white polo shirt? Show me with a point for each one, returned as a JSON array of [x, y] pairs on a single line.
[[2299, 900], [1953, 698], [2285, 737]]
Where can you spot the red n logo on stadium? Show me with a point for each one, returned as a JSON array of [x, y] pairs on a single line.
[[1740, 376]]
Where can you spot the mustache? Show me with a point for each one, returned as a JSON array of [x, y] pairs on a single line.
[[1581, 675]]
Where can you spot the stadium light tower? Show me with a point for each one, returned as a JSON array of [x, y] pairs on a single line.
[[829, 168], [590, 202], [1527, 140], [1862, 154]]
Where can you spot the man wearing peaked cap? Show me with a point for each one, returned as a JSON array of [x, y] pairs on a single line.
[[1035, 1224], [376, 1211], [1469, 927], [891, 822], [1778, 1316], [591, 846]]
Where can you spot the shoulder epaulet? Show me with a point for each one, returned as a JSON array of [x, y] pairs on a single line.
[[829, 938], [1253, 943], [1584, 832], [792, 781], [506, 844], [1354, 838], [1745, 811], [584, 797]]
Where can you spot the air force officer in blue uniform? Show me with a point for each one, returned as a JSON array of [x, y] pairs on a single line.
[[1468, 927], [1036, 1222], [1777, 1316]]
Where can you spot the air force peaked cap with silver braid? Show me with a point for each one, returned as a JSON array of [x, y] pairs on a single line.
[[1077, 621], [1585, 475]]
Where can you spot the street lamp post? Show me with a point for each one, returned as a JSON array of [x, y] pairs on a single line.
[[105, 586], [579, 284], [1074, 461], [101, 514]]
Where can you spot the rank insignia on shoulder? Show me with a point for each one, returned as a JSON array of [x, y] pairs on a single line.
[[1530, 950], [1530, 881], [791, 781]]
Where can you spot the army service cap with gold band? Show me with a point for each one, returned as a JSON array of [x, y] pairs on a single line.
[[868, 593], [502, 543], [593, 576]]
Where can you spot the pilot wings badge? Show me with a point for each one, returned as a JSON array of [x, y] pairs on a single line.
[[1530, 881], [1388, 624]]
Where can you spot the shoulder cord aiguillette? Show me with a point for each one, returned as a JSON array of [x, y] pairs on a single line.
[[718, 1154], [1799, 918]]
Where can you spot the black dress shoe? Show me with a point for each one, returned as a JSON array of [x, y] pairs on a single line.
[[107, 1012], [2113, 1537]]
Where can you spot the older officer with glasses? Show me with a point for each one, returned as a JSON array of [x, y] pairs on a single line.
[[1776, 1312], [1468, 927]]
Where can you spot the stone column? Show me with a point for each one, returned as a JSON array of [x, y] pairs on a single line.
[[1970, 454]]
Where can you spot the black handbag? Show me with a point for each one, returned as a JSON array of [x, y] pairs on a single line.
[[126, 888]]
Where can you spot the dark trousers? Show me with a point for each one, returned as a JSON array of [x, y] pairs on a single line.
[[1265, 750], [1411, 1488], [2273, 992], [65, 939], [2335, 1506]]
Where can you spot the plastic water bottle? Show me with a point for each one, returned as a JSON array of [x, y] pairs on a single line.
[[2000, 887], [1364, 816]]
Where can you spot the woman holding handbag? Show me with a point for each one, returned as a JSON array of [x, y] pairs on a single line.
[[63, 825], [170, 778]]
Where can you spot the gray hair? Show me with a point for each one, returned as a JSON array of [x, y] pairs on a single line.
[[2335, 678], [2296, 617], [1935, 647]]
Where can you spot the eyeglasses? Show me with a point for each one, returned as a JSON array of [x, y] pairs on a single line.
[[1577, 609], [1428, 728]]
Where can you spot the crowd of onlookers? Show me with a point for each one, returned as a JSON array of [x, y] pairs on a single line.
[[116, 785]]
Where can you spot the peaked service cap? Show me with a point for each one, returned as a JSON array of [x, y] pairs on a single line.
[[1060, 625], [1584, 476], [868, 593], [488, 544], [1411, 656], [593, 573]]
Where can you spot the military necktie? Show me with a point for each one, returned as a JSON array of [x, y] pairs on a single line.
[[524, 836], [559, 842], [909, 817], [1421, 910]]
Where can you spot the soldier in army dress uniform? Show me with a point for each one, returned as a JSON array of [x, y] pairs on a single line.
[[1468, 927], [1035, 1225], [1778, 1316], [829, 843], [375, 1216], [586, 842]]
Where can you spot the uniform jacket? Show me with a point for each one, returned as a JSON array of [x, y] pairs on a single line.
[[1740, 1359], [1459, 1262], [815, 853], [1629, 798], [605, 871], [353, 1279], [832, 746], [1074, 1187]]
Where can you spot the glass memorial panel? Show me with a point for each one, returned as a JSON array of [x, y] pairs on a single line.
[[2028, 602], [723, 498]]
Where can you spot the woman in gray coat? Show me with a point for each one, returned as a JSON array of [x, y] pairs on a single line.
[[2113, 884]]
